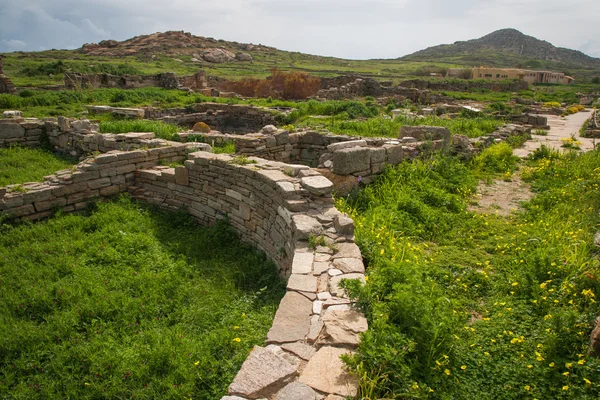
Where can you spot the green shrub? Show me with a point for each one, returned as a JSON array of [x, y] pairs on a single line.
[[497, 158]]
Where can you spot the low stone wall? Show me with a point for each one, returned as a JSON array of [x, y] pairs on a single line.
[[275, 206], [20, 131], [168, 80], [535, 120], [94, 178], [227, 118]]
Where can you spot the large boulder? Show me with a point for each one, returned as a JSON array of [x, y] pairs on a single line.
[[243, 57], [218, 56]]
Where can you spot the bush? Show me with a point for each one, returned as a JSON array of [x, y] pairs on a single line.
[[281, 85], [497, 158]]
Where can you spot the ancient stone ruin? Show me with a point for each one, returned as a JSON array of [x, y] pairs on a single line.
[[6, 85]]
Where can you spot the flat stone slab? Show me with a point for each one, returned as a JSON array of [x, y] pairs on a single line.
[[302, 263], [326, 373], [262, 374], [334, 283], [346, 145], [349, 265], [296, 391], [306, 226], [300, 349], [292, 320], [318, 184], [347, 250], [302, 283], [342, 328]]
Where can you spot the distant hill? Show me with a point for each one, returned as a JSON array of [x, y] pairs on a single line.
[[506, 48], [173, 43]]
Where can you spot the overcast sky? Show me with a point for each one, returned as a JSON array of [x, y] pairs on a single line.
[[356, 29]]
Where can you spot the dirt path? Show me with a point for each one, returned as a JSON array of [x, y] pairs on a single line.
[[501, 197], [559, 128]]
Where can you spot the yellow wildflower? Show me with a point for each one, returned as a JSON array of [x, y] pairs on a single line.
[[237, 340], [447, 371]]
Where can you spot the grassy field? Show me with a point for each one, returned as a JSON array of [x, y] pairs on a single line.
[[21, 164], [381, 127], [44, 68], [475, 306], [128, 302]]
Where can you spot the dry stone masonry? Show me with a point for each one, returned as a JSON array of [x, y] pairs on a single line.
[[277, 207]]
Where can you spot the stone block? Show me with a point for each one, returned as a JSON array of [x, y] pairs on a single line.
[[317, 185], [11, 131], [302, 263], [343, 224], [326, 373], [424, 132], [296, 391], [302, 283], [262, 374], [349, 161], [342, 328], [292, 319], [349, 265], [346, 145]]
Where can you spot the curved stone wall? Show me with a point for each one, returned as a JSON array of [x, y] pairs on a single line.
[[285, 210]]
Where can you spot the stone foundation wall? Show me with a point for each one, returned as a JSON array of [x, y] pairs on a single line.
[[20, 131], [226, 118], [275, 206], [94, 178], [168, 80]]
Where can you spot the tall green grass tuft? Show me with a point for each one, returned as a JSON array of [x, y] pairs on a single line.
[[129, 302], [161, 129], [23, 164], [478, 306]]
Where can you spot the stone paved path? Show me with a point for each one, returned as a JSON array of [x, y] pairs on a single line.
[[559, 128]]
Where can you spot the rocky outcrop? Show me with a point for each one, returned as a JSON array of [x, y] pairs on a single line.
[[218, 55]]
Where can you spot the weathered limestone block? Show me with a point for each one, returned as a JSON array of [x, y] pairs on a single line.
[[342, 328], [292, 320], [296, 391], [343, 224], [317, 185], [11, 131], [326, 373], [347, 250], [423, 132], [349, 161], [302, 263], [346, 145], [305, 226], [300, 349], [349, 265], [261, 375], [302, 283]]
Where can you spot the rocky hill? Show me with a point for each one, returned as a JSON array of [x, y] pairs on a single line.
[[176, 43], [506, 48]]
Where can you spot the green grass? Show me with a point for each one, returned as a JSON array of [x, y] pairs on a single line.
[[161, 129], [474, 306], [381, 127], [128, 302], [22, 164]]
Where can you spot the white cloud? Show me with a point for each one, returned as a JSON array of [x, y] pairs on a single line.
[[344, 28], [14, 44]]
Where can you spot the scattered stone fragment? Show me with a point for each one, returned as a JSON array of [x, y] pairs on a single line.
[[306, 226]]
